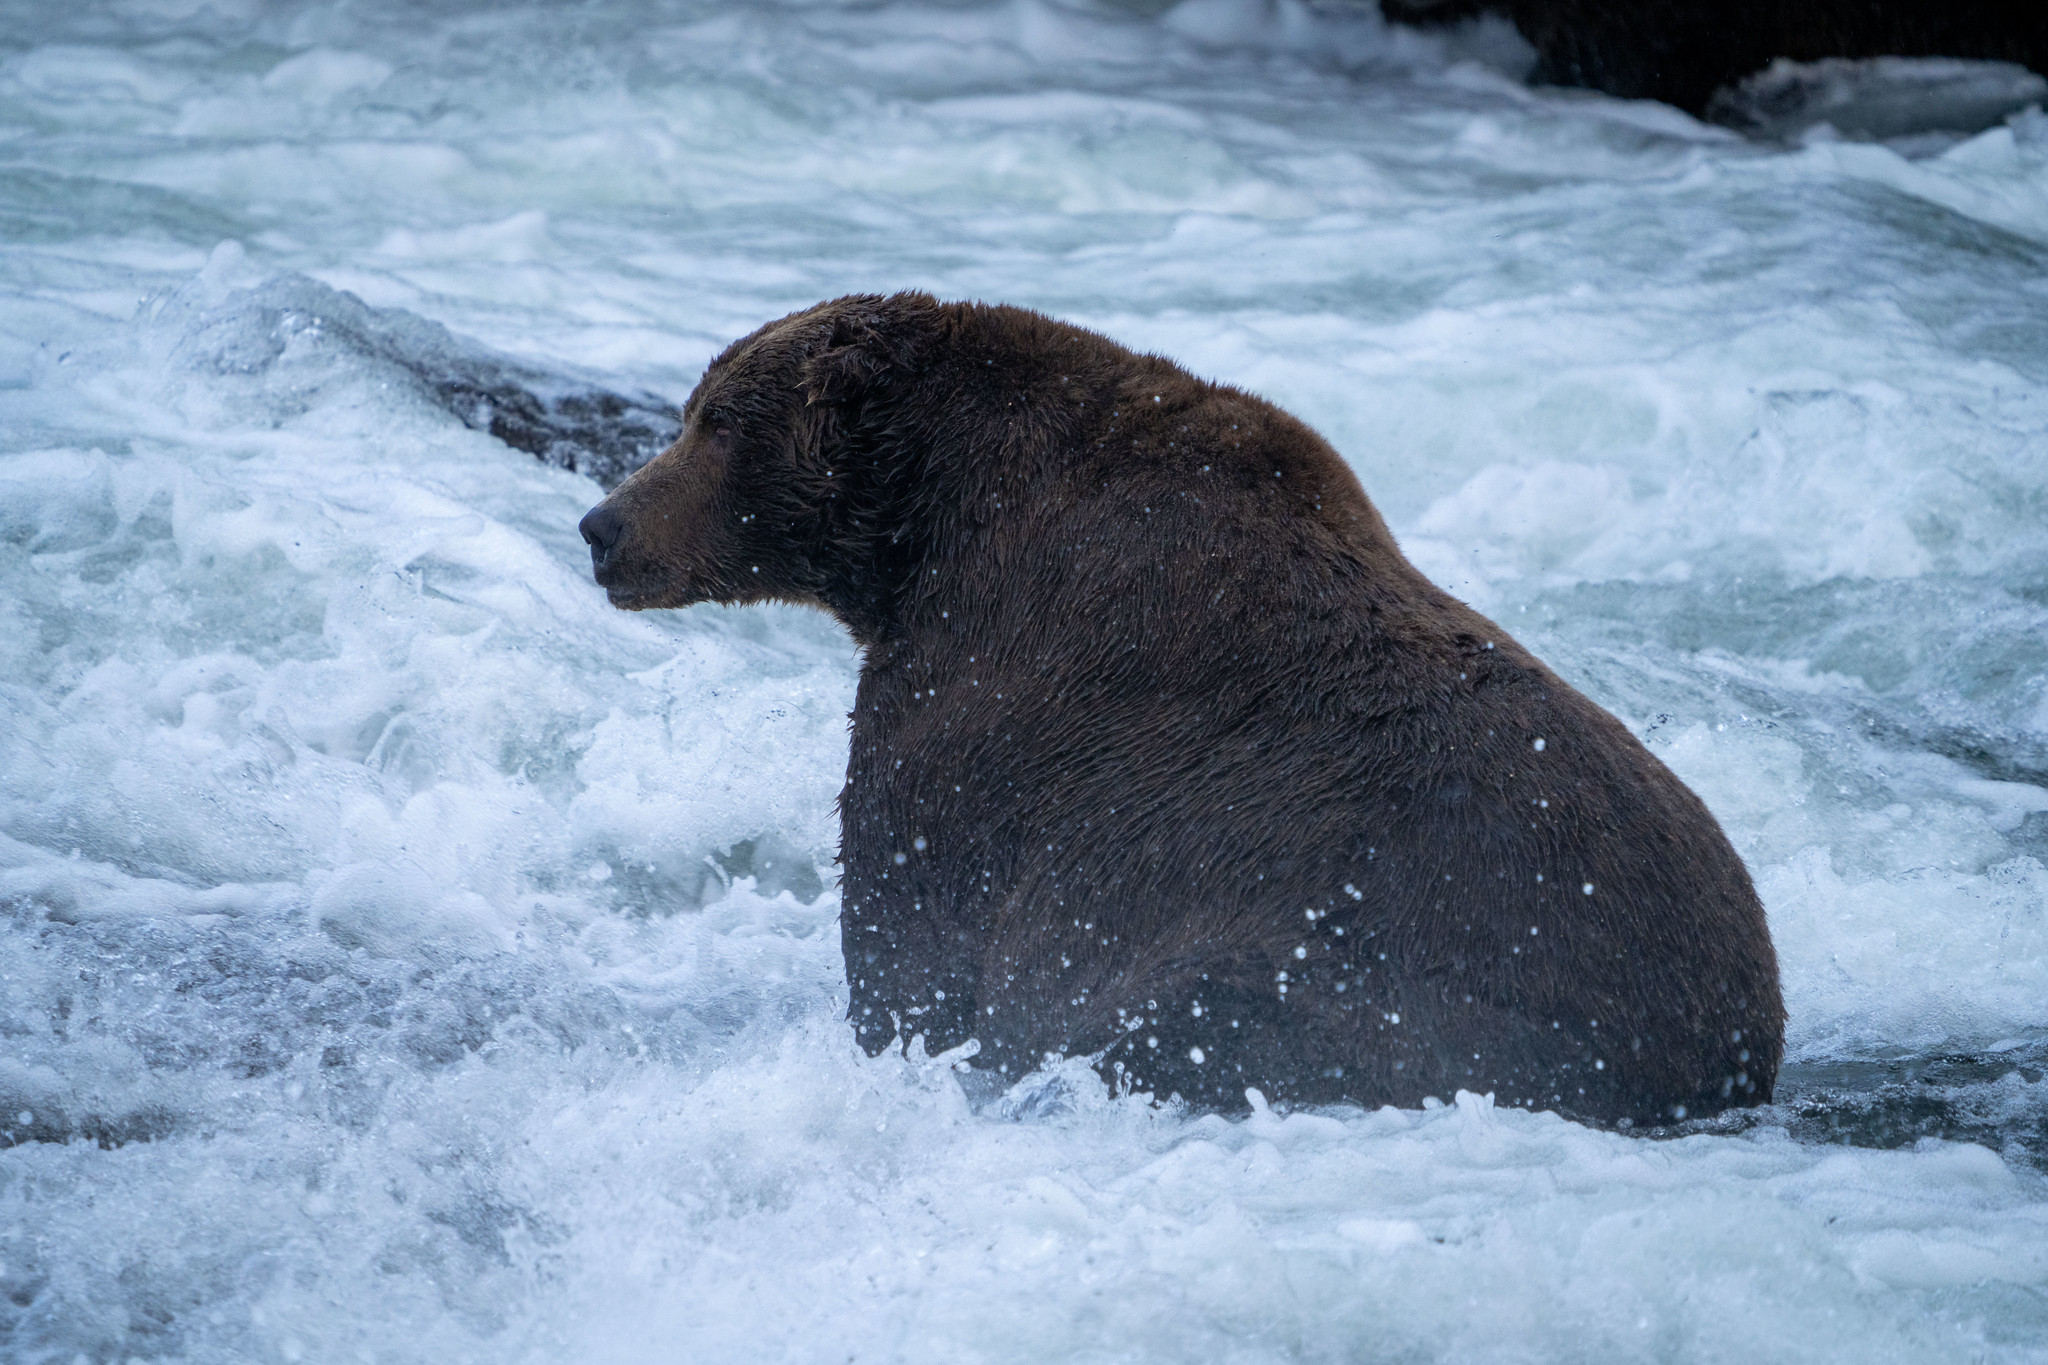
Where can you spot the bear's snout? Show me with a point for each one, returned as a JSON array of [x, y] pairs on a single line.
[[601, 528]]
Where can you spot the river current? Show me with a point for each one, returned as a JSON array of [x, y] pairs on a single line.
[[406, 957]]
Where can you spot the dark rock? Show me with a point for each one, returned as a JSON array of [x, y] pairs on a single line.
[[1685, 51]]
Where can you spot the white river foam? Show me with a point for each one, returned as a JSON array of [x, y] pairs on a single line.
[[405, 957]]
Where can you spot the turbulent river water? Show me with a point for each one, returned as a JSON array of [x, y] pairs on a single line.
[[406, 957]]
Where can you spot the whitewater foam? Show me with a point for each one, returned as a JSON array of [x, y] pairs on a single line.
[[409, 957]]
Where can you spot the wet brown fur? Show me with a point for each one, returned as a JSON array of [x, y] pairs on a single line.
[[1161, 745]]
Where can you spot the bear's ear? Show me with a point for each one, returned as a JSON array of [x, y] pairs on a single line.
[[868, 341]]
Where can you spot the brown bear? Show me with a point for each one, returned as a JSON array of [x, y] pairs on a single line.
[[1162, 753]]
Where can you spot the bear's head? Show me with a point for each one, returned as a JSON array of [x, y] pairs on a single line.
[[773, 491]]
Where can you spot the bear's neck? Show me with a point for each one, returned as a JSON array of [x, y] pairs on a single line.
[[964, 468]]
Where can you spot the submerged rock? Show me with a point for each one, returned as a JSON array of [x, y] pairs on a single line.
[[1883, 97], [287, 326]]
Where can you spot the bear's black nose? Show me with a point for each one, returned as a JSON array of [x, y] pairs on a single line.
[[601, 528]]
